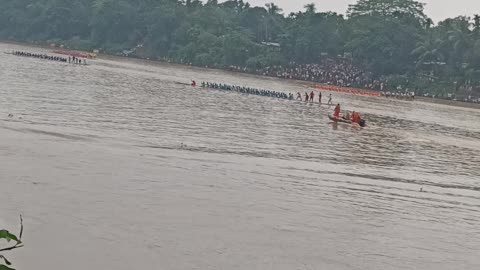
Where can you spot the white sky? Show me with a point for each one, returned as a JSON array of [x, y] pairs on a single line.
[[435, 9]]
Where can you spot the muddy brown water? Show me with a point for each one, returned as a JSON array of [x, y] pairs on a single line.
[[120, 165]]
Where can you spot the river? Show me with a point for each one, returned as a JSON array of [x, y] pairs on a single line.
[[118, 165]]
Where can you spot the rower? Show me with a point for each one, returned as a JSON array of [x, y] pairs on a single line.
[[357, 118]]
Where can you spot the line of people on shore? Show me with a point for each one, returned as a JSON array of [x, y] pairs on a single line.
[[71, 60], [76, 60], [399, 95]]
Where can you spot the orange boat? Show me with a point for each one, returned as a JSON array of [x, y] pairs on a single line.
[[349, 90]]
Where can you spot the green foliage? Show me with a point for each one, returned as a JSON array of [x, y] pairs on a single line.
[[4, 234], [4, 267], [9, 237], [387, 8], [386, 37]]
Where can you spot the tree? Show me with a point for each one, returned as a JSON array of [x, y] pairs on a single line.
[[383, 44], [272, 21], [461, 39], [388, 8], [310, 8], [476, 22], [428, 53], [273, 9]]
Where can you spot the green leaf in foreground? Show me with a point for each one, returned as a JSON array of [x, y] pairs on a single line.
[[4, 234], [4, 267], [5, 259]]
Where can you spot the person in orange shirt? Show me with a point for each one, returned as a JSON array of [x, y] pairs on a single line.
[[336, 112], [355, 117]]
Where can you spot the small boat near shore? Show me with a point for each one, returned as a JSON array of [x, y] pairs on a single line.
[[339, 120]]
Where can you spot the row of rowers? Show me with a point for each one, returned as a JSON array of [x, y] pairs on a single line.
[[246, 90], [70, 59], [309, 97]]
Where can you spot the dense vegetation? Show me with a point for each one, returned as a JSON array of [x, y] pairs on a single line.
[[393, 39]]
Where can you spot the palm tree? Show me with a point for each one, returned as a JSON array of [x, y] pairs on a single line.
[[461, 38], [274, 12], [427, 51], [273, 9]]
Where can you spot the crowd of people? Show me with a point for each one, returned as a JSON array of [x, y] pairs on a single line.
[[332, 71], [70, 59], [399, 95]]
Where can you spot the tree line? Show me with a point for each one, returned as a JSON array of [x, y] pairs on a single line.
[[393, 39]]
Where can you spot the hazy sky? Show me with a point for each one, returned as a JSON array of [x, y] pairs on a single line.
[[436, 9]]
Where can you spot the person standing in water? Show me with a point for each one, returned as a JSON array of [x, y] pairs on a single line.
[[330, 100], [306, 96], [299, 96], [320, 97], [312, 95], [336, 112]]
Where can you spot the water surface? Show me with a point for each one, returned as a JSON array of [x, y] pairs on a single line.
[[120, 165]]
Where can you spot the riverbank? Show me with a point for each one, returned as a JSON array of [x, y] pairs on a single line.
[[299, 82], [449, 102]]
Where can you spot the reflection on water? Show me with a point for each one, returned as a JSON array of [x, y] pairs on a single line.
[[283, 147]]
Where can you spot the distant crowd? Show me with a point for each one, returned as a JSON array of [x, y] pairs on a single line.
[[399, 95], [332, 71]]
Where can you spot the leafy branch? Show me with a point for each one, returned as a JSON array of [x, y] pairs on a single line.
[[4, 234]]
